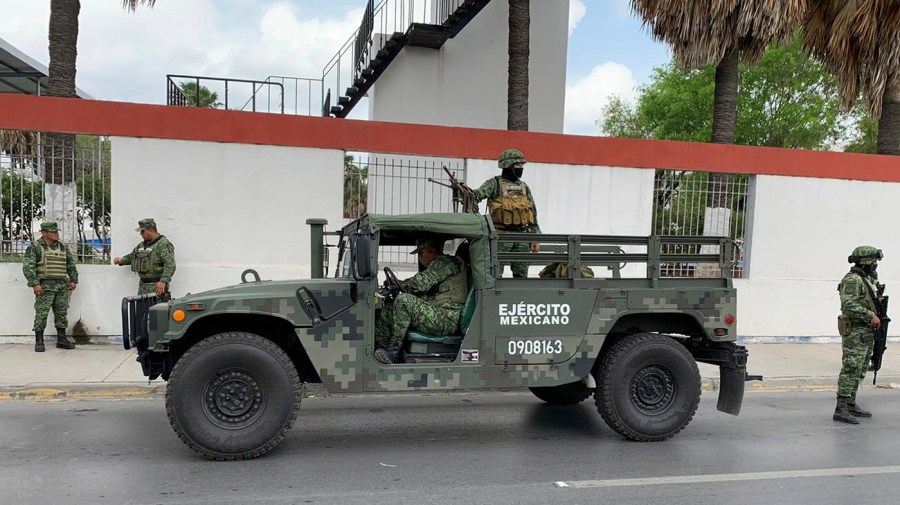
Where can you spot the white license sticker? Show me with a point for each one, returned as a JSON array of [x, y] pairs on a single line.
[[535, 347], [469, 356]]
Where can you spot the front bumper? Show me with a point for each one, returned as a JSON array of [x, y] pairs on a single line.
[[137, 323]]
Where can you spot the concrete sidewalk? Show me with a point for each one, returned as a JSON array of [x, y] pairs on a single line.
[[108, 370]]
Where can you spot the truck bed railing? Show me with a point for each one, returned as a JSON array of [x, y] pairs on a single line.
[[610, 251]]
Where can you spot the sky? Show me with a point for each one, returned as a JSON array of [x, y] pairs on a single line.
[[126, 56]]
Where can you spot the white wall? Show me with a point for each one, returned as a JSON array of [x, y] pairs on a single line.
[[581, 198], [803, 230], [226, 207], [464, 82], [230, 205]]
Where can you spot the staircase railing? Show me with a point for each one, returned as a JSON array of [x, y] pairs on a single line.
[[386, 24], [233, 91]]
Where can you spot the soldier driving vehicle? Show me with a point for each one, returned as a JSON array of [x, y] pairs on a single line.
[[236, 357]]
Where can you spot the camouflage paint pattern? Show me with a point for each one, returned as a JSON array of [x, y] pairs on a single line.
[[856, 347], [56, 298], [519, 268]]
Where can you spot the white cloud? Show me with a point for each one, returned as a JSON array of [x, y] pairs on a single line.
[[577, 11], [587, 96], [126, 56]]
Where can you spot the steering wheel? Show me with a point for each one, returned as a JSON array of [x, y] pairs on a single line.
[[392, 286]]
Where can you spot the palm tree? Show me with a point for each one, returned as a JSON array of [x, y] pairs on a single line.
[[703, 32], [859, 42], [59, 148], [519, 54], [720, 32]]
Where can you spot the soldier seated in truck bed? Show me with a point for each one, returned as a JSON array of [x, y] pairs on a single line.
[[429, 302]]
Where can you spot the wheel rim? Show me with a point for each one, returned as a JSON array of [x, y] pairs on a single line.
[[234, 399], [653, 389]]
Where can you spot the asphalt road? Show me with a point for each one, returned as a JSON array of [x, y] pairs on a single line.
[[463, 448]]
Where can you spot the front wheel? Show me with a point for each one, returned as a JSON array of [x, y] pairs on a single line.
[[648, 387], [233, 396]]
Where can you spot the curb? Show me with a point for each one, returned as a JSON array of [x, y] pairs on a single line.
[[111, 391], [52, 392]]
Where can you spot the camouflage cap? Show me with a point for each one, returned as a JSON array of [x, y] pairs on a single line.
[[510, 157], [49, 226], [145, 223], [422, 243], [865, 255]]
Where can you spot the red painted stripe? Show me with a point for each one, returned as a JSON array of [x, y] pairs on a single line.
[[186, 123]]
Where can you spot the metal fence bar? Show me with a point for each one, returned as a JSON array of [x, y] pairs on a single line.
[[61, 177], [681, 207]]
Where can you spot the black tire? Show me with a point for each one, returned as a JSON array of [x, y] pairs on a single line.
[[565, 394], [202, 406], [648, 387]]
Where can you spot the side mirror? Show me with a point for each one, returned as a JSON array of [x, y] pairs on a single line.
[[362, 251]]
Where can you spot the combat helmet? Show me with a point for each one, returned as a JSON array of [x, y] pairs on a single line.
[[865, 255], [510, 157]]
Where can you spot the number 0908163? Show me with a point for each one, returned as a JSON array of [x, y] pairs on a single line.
[[535, 347]]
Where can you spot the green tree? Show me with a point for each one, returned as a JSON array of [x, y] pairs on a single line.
[[205, 98], [93, 203], [865, 136], [786, 100], [21, 203]]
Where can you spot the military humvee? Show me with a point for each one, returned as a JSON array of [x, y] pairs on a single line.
[[236, 358]]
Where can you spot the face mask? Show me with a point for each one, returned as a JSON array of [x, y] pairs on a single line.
[[518, 172], [509, 174], [425, 262]]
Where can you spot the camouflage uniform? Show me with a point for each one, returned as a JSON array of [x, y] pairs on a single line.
[[56, 293], [858, 309], [153, 260], [421, 307], [491, 190]]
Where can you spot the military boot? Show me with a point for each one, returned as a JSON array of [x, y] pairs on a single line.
[[39, 341], [842, 413], [856, 410], [62, 341]]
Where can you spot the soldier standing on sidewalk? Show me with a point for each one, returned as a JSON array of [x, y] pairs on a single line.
[[857, 325], [153, 259], [50, 270]]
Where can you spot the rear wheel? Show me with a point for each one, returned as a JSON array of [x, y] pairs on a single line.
[[648, 387], [233, 396], [566, 394]]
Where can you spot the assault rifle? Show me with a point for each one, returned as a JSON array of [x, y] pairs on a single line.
[[881, 305], [462, 195]]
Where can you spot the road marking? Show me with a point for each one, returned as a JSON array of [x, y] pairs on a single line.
[[732, 477]]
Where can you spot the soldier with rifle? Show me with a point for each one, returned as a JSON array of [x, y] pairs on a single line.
[[863, 329]]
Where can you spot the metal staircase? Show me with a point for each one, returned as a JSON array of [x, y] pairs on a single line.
[[385, 30]]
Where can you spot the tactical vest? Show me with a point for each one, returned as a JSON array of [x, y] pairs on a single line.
[[52, 265], [869, 303], [511, 209], [561, 271], [146, 261], [452, 293]]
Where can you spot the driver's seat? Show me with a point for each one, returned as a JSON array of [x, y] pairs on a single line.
[[422, 347]]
